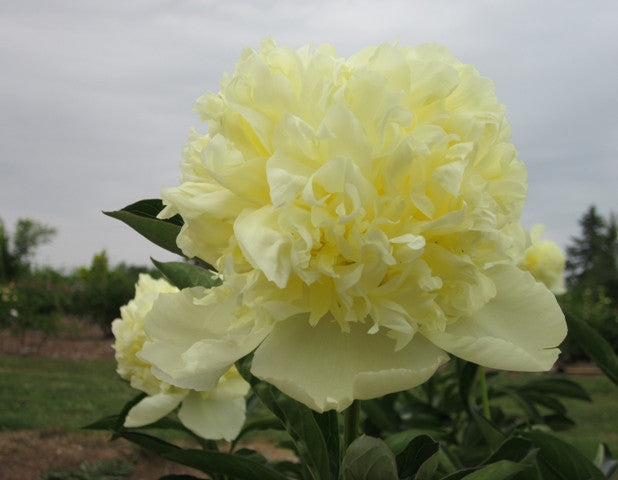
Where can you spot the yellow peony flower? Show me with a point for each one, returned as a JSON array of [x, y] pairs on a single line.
[[545, 261], [213, 414], [365, 216]]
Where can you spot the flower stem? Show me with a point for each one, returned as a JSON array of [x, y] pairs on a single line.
[[351, 423], [484, 396]]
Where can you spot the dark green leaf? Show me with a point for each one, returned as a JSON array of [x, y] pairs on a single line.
[[398, 441], [594, 345], [467, 375], [368, 458], [514, 449], [501, 470], [142, 217], [555, 386], [546, 401], [187, 275], [493, 436], [418, 458], [562, 459], [558, 422], [529, 410], [299, 422], [329, 425], [116, 422], [210, 462]]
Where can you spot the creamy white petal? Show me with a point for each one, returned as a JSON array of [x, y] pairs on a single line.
[[191, 345], [325, 368], [153, 408], [516, 330], [213, 418]]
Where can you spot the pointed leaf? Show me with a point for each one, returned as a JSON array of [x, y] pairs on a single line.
[[187, 275], [493, 436], [562, 459], [298, 420], [210, 462], [142, 217], [562, 387], [368, 458], [594, 345], [418, 458]]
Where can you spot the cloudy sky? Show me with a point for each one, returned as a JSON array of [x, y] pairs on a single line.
[[96, 97]]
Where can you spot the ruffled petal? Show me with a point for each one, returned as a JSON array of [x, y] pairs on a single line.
[[193, 344], [153, 408], [516, 330], [325, 368], [213, 418]]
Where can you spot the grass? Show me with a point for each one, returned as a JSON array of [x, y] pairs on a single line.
[[41, 393]]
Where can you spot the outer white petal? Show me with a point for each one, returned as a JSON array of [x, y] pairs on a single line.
[[325, 368], [152, 408], [192, 345], [517, 330], [213, 418]]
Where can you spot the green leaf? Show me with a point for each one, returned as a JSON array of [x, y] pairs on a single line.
[[561, 387], [418, 458], [187, 275], [368, 458], [561, 459], [514, 449], [210, 462], [594, 345], [501, 470], [398, 441], [493, 436], [299, 422], [329, 425], [142, 217], [467, 375]]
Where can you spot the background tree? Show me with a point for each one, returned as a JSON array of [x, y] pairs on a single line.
[[592, 259], [16, 253]]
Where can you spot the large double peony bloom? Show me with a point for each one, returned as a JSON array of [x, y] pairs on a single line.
[[216, 413], [364, 214]]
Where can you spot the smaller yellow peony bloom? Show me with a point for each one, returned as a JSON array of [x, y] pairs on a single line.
[[545, 261], [213, 414]]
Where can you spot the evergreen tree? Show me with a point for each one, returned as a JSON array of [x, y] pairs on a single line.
[[592, 259]]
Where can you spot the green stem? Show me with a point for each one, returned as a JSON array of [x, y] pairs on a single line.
[[351, 423], [484, 396]]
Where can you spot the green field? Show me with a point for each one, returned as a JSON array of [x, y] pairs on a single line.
[[42, 393]]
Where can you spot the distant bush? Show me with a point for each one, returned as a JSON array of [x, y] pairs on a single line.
[[99, 291], [595, 307]]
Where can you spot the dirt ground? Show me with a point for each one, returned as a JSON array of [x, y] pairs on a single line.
[[28, 455]]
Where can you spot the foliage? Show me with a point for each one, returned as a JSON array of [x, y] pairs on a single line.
[[101, 290], [596, 308], [16, 252], [592, 258]]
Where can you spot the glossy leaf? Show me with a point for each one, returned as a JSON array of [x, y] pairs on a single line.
[[187, 275], [368, 458], [561, 387], [142, 217]]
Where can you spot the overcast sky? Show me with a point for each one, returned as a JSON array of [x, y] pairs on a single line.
[[96, 97]]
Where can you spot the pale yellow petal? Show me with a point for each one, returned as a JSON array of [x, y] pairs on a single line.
[[152, 408]]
